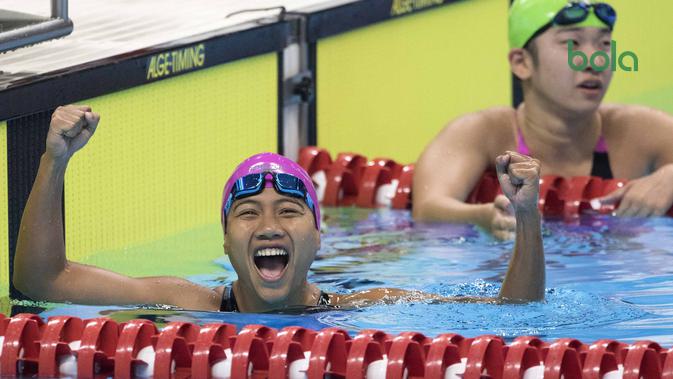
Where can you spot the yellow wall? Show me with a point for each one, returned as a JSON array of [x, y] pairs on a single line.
[[387, 89], [158, 161], [644, 27], [4, 243]]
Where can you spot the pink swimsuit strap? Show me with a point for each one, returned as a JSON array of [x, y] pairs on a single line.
[[521, 148]]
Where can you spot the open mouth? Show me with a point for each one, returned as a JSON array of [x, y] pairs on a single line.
[[591, 85], [271, 262]]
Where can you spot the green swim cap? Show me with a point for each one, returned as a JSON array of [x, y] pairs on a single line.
[[526, 17]]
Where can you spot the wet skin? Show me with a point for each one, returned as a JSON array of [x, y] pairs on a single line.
[[270, 220], [271, 240], [561, 120]]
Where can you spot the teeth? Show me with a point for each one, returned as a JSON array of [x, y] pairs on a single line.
[[270, 252]]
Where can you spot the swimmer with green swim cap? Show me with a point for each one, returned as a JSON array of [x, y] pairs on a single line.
[[529, 18], [561, 121]]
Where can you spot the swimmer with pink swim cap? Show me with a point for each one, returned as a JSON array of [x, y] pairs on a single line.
[[271, 225], [271, 222]]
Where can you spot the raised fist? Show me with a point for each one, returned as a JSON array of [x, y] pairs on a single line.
[[70, 129], [519, 177]]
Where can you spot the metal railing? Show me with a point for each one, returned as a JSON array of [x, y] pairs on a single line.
[[19, 29]]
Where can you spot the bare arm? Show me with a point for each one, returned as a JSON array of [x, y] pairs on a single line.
[[519, 178], [41, 269], [393, 295], [448, 170], [382, 296], [651, 194], [525, 278], [658, 127]]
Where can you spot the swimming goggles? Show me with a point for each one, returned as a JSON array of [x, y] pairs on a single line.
[[253, 184], [575, 12]]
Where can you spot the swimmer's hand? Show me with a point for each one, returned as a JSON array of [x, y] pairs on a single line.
[[502, 223], [519, 177], [649, 196], [70, 129]]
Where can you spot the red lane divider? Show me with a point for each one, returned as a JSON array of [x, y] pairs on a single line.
[[643, 361], [31, 347], [406, 356], [667, 358], [211, 347], [328, 354], [377, 173], [602, 357], [341, 187], [367, 347], [314, 159], [563, 359], [343, 178], [524, 353], [251, 352], [402, 199], [20, 347], [97, 348], [486, 189], [485, 358], [291, 344], [351, 179], [135, 336], [57, 335], [443, 352], [173, 349]]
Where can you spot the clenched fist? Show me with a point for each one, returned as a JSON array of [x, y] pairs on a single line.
[[519, 177], [70, 129]]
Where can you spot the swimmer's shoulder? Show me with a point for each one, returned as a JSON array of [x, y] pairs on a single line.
[[216, 294], [635, 125], [493, 127], [634, 117], [219, 291]]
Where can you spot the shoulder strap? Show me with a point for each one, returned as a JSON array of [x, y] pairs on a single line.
[[521, 146], [324, 298], [601, 146], [228, 303]]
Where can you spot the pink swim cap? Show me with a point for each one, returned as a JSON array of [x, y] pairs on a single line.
[[271, 162]]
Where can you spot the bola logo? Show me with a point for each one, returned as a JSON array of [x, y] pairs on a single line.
[[605, 62]]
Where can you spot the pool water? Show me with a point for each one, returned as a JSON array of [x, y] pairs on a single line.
[[607, 277]]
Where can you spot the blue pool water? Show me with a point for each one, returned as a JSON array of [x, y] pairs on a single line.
[[606, 278]]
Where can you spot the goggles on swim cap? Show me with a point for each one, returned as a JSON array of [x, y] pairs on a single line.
[[253, 184], [574, 13], [530, 18]]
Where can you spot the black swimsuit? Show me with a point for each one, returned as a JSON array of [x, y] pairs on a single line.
[[600, 166], [229, 304]]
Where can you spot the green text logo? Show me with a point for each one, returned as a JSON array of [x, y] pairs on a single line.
[[605, 63]]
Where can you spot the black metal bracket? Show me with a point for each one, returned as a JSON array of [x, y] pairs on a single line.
[[299, 88]]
